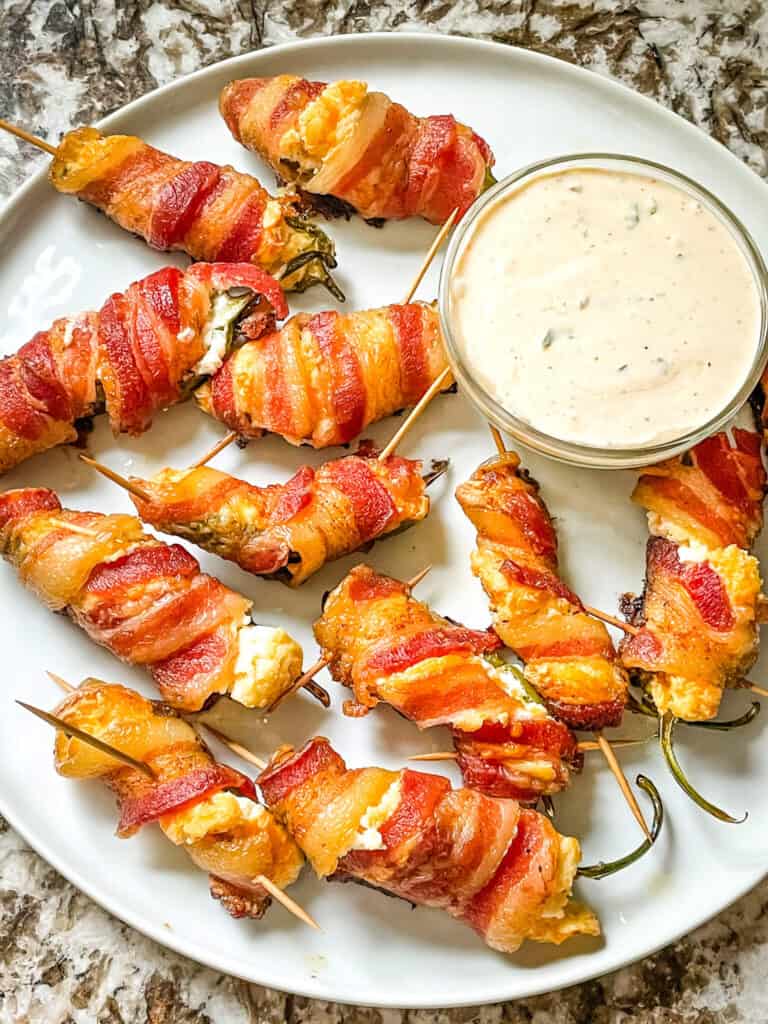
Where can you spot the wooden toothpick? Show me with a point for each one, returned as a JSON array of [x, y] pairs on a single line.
[[290, 905], [74, 528], [128, 485], [437, 384], [439, 239], [214, 451], [612, 620], [21, 133], [235, 747], [65, 686], [629, 796], [91, 741], [585, 746]]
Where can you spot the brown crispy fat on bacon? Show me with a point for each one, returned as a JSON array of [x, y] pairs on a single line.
[[390, 648], [289, 530], [133, 357], [359, 146], [505, 872], [213, 213], [234, 847], [144, 600], [569, 656], [324, 377], [697, 616]]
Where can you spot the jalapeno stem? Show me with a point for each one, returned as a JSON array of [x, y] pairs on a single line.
[[734, 723], [322, 255], [439, 467], [605, 868], [321, 275], [666, 734]]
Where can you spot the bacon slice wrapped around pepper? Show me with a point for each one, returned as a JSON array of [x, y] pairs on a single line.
[[698, 612], [207, 808], [503, 871], [143, 351], [324, 377], [212, 213], [569, 656], [146, 601], [390, 648], [359, 147], [290, 530]]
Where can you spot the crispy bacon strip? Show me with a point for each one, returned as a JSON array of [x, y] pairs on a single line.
[[569, 657], [390, 648], [323, 378], [212, 213], [179, 793], [505, 872], [361, 148], [209, 809], [288, 530], [135, 356], [144, 600], [697, 615]]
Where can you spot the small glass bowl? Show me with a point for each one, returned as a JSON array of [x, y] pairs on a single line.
[[559, 448]]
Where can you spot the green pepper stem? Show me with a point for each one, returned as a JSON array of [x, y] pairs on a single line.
[[439, 467], [319, 275], [666, 734], [319, 260], [489, 180], [646, 707], [605, 868], [734, 723], [641, 707]]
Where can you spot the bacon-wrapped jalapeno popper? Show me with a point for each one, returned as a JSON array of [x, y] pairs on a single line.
[[569, 657], [212, 213], [503, 871], [207, 808], [358, 146], [390, 648], [697, 616], [143, 351], [147, 602], [288, 531], [324, 377]]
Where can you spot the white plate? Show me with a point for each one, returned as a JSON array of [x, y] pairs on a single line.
[[60, 256]]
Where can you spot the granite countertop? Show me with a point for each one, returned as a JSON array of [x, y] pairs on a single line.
[[62, 959]]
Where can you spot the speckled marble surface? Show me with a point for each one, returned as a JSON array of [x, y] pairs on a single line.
[[62, 959]]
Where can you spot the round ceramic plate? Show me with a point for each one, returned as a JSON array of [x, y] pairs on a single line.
[[60, 256]]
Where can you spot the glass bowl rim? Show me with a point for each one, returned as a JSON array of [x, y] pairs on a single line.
[[574, 453]]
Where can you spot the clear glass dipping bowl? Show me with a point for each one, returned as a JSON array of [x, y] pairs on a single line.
[[561, 448]]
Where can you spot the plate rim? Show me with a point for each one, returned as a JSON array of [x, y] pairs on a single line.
[[315, 988]]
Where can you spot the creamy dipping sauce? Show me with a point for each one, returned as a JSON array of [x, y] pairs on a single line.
[[605, 308]]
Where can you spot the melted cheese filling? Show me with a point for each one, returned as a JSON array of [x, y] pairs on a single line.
[[567, 863], [513, 686], [560, 916], [368, 836], [217, 336], [272, 216], [692, 551], [325, 124], [268, 662], [222, 812]]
